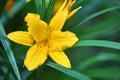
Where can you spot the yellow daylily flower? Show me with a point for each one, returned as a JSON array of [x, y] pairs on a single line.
[[58, 3], [46, 39]]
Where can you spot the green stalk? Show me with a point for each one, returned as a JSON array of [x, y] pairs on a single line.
[[9, 52]]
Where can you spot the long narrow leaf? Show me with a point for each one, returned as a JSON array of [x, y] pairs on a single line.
[[9, 52], [2, 36], [94, 15], [77, 3], [69, 72], [43, 9], [98, 43], [110, 25], [49, 11], [113, 72], [37, 5], [98, 58]]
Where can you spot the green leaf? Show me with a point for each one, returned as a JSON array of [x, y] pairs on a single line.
[[99, 58], [77, 3], [113, 72], [69, 72], [94, 15], [98, 43], [2, 36], [49, 10], [42, 9], [40, 6], [100, 28], [25, 74], [9, 52]]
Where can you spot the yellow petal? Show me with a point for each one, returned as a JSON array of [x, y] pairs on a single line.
[[59, 6], [60, 58], [28, 1], [35, 57], [73, 12], [36, 27], [21, 37], [69, 5], [58, 20], [62, 14], [62, 40]]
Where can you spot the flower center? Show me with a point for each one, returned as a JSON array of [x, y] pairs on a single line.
[[43, 43]]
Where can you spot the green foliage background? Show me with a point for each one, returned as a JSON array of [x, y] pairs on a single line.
[[95, 57]]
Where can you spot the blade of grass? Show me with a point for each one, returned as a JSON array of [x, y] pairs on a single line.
[[2, 37], [77, 3], [98, 58], [82, 13], [1, 59], [43, 9], [110, 25], [49, 10], [94, 15], [9, 52], [25, 74], [69, 72], [98, 43], [38, 7], [113, 72]]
